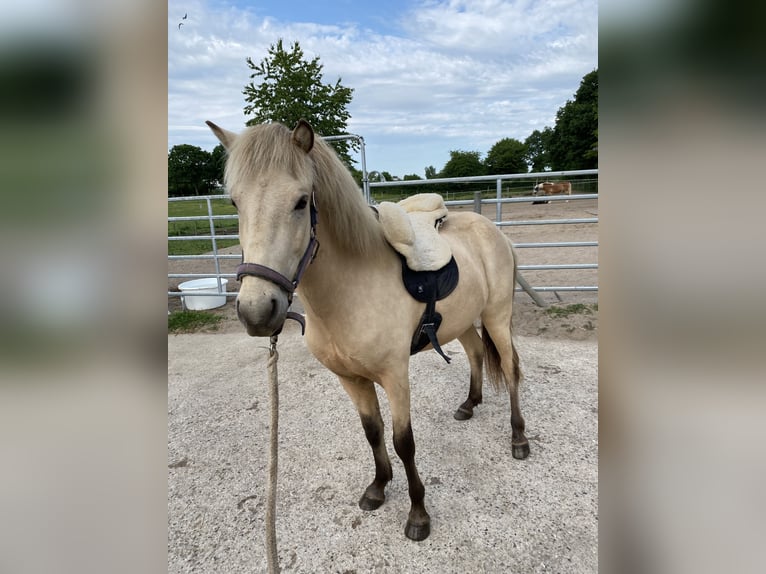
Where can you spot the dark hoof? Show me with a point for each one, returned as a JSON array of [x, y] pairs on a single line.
[[463, 414], [417, 532], [368, 503], [520, 450]]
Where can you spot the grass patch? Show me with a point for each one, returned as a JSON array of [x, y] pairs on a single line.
[[192, 321], [574, 309], [200, 227], [197, 246], [199, 208]]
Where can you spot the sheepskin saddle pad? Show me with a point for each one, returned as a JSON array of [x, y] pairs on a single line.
[[411, 226], [429, 270]]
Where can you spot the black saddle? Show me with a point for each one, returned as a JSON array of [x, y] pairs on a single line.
[[429, 287]]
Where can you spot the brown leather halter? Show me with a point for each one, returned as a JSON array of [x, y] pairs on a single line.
[[263, 272]]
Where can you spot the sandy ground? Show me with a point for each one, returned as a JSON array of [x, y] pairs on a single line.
[[490, 513]]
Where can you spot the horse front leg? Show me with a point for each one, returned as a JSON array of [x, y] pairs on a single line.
[[362, 394], [418, 525]]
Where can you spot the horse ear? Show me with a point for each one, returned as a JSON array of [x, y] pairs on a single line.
[[224, 136], [303, 135]]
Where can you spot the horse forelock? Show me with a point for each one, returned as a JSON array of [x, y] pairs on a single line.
[[263, 149]]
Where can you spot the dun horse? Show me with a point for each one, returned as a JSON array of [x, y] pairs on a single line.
[[291, 190]]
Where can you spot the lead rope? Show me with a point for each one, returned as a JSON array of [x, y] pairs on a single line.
[[271, 502]]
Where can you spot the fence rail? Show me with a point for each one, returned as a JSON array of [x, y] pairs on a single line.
[[477, 202]]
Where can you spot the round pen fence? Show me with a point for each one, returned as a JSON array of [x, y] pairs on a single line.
[[199, 230]]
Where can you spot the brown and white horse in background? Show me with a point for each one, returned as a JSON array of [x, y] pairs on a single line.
[[551, 188], [359, 318]]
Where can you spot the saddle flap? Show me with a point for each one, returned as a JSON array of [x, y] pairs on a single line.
[[425, 286], [429, 287]]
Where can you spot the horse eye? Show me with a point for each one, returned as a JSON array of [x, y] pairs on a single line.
[[302, 203]]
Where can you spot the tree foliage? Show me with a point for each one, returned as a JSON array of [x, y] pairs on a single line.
[[538, 145], [507, 156], [575, 133], [285, 88], [193, 171], [463, 164]]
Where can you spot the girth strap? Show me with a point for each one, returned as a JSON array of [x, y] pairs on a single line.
[[426, 331]]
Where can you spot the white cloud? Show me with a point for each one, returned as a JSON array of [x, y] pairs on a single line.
[[460, 74]]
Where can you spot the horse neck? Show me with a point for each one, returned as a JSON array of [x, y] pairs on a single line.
[[351, 240], [346, 258]]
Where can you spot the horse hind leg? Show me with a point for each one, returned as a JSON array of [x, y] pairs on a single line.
[[475, 351], [503, 368], [362, 394]]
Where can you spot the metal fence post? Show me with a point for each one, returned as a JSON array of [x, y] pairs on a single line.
[[477, 201], [499, 206], [215, 244]]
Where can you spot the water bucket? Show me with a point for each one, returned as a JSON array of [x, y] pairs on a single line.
[[198, 286]]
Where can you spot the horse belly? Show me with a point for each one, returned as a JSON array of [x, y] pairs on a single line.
[[365, 343], [464, 305]]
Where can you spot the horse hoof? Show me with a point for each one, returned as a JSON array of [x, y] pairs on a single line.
[[463, 414], [520, 450], [369, 503], [417, 532]]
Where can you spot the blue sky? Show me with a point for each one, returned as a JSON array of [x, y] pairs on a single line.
[[429, 76]]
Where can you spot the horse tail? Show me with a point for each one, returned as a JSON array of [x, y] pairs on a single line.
[[492, 359], [493, 364]]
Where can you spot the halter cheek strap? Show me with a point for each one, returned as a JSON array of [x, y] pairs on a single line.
[[263, 272]]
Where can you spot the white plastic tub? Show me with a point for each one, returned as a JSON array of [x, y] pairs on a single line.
[[205, 285]]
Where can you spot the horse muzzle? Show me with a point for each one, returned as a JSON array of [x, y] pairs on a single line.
[[262, 311]]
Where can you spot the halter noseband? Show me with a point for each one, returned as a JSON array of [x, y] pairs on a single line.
[[263, 272]]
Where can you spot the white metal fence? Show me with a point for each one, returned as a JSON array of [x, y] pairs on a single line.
[[499, 200], [214, 238]]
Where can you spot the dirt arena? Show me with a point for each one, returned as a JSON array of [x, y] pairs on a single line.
[[490, 512]]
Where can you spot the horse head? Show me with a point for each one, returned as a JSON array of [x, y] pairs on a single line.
[[269, 177]]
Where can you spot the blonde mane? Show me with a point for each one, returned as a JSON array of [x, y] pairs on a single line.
[[343, 212]]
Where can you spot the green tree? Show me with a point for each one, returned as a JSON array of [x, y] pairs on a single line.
[[430, 172], [188, 171], [411, 177], [216, 165], [574, 136], [290, 88], [538, 149], [507, 156], [593, 151], [463, 164]]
